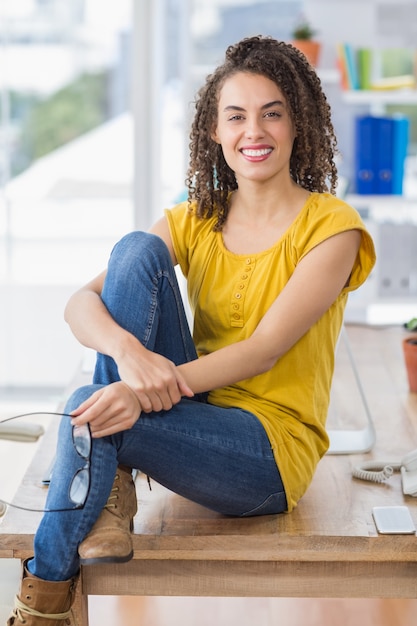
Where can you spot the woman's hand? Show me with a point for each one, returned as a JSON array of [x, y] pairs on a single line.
[[155, 380], [109, 410]]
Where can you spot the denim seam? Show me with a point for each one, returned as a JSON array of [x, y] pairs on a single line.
[[209, 443], [161, 274]]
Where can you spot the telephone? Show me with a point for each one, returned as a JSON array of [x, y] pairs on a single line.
[[380, 471]]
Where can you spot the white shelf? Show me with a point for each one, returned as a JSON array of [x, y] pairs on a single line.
[[385, 208], [380, 97], [382, 200]]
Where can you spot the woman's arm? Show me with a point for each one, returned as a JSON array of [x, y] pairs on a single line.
[[155, 380], [315, 284]]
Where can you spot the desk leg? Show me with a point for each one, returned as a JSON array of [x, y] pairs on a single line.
[[80, 606]]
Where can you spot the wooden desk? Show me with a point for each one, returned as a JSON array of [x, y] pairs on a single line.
[[327, 547]]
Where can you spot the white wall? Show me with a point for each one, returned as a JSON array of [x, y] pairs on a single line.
[[37, 345]]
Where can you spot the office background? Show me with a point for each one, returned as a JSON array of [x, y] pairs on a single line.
[[95, 100]]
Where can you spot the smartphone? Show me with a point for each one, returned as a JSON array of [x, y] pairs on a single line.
[[395, 520]]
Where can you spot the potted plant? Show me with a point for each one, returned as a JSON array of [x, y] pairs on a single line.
[[411, 324], [303, 39], [410, 359]]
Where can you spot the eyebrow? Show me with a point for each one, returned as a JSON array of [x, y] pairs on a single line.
[[268, 105]]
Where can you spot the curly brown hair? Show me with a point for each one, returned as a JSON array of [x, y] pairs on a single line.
[[209, 178]]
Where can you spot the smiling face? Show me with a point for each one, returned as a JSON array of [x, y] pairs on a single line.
[[254, 128]]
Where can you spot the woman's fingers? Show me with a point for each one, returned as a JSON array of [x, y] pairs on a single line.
[[109, 410], [155, 380]]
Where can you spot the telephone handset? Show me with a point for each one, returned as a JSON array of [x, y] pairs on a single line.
[[380, 471]]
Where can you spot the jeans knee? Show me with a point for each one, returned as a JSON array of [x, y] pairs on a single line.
[[139, 245], [79, 396]]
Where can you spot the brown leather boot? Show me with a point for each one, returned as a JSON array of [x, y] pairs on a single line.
[[42, 602], [110, 541]]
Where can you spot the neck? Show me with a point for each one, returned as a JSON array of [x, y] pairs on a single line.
[[267, 202]]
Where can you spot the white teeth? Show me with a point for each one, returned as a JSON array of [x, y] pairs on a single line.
[[256, 153]]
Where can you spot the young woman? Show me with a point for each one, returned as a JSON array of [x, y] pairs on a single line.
[[232, 417]]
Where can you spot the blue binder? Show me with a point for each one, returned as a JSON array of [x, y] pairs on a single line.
[[384, 154], [400, 148], [381, 145], [365, 167]]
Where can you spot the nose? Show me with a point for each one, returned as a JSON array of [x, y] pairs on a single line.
[[254, 128]]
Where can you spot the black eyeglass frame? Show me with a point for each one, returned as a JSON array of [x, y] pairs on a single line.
[[80, 502]]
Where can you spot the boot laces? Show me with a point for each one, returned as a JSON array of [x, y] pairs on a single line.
[[21, 609], [114, 495]]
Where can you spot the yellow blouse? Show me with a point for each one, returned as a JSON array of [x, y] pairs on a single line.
[[229, 294]]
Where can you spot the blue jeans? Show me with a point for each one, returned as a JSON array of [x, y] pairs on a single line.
[[218, 457]]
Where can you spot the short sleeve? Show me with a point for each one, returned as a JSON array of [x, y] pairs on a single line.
[[179, 227], [191, 235], [328, 216]]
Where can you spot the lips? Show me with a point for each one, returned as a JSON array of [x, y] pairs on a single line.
[[256, 153]]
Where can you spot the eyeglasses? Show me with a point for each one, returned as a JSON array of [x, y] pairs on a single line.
[[80, 484]]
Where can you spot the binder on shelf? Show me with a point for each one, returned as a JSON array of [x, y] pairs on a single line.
[[365, 166], [381, 145], [351, 64], [365, 61], [384, 146], [342, 67], [346, 60], [400, 147]]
